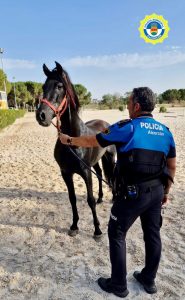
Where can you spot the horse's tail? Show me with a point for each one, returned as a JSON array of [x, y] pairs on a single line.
[[108, 163]]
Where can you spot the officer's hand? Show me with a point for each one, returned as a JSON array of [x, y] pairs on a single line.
[[165, 200], [64, 138]]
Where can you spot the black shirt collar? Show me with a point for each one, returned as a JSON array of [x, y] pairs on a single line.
[[145, 115]]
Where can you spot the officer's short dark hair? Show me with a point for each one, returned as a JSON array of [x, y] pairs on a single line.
[[145, 97]]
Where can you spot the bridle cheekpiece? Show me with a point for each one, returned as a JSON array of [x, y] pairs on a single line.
[[60, 110]]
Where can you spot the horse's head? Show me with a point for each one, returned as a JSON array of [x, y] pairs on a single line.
[[57, 94]]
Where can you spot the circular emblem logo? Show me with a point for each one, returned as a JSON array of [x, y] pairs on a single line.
[[154, 29]]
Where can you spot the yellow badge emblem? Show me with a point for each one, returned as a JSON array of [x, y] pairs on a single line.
[[154, 29]]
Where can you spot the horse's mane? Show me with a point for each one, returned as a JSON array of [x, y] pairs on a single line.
[[67, 83]]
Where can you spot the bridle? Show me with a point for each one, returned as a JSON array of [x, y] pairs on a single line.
[[60, 110]]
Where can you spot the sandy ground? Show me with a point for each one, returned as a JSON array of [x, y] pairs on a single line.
[[38, 260]]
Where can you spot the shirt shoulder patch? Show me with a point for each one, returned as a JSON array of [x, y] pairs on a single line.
[[123, 122], [106, 131]]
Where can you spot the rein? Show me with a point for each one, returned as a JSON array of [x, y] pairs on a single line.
[[89, 168], [58, 113]]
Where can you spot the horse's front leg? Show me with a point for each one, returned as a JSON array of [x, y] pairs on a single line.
[[91, 201], [68, 178]]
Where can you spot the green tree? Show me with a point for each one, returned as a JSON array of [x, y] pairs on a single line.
[[170, 96], [160, 99], [113, 101], [107, 99], [182, 94], [116, 99], [3, 78], [23, 96], [35, 90], [83, 95], [26, 93], [119, 101], [126, 97]]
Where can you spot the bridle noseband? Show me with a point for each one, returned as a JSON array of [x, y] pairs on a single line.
[[60, 110]]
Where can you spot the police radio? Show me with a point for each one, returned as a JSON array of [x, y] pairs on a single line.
[[132, 192]]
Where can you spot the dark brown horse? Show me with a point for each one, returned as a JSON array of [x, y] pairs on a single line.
[[60, 99]]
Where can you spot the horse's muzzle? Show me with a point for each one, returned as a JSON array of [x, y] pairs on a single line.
[[42, 118]]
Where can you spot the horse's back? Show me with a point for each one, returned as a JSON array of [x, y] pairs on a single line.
[[97, 125]]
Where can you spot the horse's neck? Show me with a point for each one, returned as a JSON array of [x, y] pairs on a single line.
[[71, 123]]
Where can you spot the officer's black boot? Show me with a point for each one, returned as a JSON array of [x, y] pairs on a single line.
[[107, 286], [150, 288]]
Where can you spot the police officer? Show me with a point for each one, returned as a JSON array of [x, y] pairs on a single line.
[[144, 174]]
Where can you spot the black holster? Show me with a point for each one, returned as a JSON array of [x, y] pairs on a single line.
[[128, 191]]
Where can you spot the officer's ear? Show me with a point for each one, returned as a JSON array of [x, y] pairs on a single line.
[[137, 107]]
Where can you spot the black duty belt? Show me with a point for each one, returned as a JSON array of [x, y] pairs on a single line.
[[149, 183], [131, 190]]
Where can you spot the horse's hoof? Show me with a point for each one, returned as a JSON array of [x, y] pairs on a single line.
[[97, 237], [73, 232], [99, 201], [97, 234]]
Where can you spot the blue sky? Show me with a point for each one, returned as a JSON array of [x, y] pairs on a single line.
[[97, 42]]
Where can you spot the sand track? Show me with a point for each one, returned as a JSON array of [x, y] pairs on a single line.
[[38, 260]]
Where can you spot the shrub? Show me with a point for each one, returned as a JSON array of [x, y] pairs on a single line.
[[7, 117], [163, 109], [103, 106], [121, 108]]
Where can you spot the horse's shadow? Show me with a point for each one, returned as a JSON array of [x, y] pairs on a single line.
[[56, 198], [34, 260], [12, 193]]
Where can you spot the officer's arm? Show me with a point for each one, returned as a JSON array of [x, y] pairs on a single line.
[[171, 165], [80, 141]]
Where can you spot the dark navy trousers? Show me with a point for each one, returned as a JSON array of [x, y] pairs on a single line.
[[123, 214]]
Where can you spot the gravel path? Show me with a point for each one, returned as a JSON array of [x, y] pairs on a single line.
[[38, 260]]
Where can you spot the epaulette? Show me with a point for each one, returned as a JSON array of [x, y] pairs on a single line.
[[124, 122]]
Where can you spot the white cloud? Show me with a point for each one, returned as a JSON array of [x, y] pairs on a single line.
[[173, 47], [125, 60], [18, 64]]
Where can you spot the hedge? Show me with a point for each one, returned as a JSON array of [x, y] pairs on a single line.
[[162, 109], [7, 116]]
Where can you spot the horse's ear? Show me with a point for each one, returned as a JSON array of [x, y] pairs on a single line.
[[46, 70], [59, 68]]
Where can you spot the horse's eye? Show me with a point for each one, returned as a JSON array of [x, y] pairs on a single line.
[[59, 86]]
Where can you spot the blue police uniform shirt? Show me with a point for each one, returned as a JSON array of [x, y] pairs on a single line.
[[143, 144], [143, 132]]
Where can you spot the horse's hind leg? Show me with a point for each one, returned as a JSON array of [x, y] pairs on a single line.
[[68, 178], [91, 201], [109, 163], [99, 173]]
